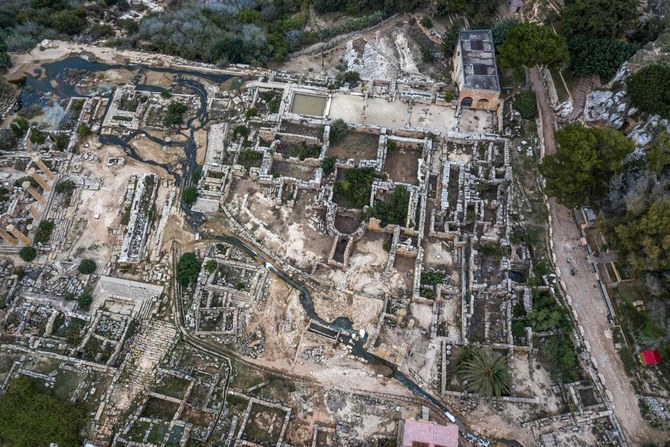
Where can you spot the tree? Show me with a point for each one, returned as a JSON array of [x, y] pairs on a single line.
[[5, 61], [449, 41], [484, 373], [501, 29], [658, 155], [69, 22], [532, 45], [28, 254], [84, 131], [31, 415], [579, 172], [648, 89], [644, 238], [598, 18], [188, 269], [85, 301], [190, 195], [602, 57], [87, 266]]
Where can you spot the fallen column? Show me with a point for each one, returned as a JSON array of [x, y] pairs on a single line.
[[39, 179], [33, 192], [20, 236]]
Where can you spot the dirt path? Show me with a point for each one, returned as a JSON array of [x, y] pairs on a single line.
[[587, 300], [547, 117]]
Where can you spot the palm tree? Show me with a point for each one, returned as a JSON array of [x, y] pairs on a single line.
[[484, 373]]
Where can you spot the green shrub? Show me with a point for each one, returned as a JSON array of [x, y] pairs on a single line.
[[526, 104], [28, 254]]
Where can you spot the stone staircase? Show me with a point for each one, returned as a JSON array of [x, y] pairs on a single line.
[[148, 350], [135, 375], [579, 98]]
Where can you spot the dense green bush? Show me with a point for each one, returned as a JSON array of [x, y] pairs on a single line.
[[357, 6], [338, 130], [449, 41], [328, 165], [526, 104], [19, 126], [547, 314], [559, 353], [356, 187], [648, 89], [85, 301], [28, 254], [602, 57], [190, 195], [5, 61], [44, 230], [87, 266], [393, 212], [241, 131], [31, 415], [175, 114], [598, 18], [432, 278], [188, 269]]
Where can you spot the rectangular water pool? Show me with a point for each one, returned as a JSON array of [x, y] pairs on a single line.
[[308, 104]]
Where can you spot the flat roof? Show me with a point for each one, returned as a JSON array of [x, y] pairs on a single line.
[[478, 59], [429, 433]]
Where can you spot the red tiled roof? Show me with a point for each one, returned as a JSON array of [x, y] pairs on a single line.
[[650, 357]]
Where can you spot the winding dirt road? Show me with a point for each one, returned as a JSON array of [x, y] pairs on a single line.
[[587, 300]]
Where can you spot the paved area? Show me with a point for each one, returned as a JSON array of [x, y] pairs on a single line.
[[587, 300]]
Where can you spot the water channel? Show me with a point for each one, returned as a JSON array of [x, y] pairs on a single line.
[[37, 90]]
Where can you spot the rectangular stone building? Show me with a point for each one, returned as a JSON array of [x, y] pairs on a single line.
[[475, 70]]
